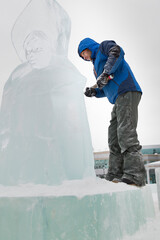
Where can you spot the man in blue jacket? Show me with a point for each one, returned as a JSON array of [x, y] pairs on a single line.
[[116, 81]]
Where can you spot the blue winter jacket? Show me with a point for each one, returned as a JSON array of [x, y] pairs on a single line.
[[110, 56]]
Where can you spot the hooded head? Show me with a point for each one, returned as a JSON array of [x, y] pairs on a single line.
[[90, 44]]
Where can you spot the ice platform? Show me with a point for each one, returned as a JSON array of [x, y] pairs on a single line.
[[89, 209]]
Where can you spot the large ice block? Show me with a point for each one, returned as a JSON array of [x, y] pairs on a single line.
[[80, 209], [158, 184], [44, 131]]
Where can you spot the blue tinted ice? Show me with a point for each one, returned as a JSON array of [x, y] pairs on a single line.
[[44, 131]]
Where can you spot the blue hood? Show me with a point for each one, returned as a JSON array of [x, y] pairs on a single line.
[[90, 44]]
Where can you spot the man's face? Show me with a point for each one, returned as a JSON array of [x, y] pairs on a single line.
[[86, 54]]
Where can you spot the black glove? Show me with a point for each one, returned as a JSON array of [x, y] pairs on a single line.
[[90, 92], [102, 80]]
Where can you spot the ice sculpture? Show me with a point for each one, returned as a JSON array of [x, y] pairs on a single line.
[[84, 210], [44, 132]]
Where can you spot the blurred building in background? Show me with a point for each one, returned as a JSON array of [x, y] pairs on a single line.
[[151, 158]]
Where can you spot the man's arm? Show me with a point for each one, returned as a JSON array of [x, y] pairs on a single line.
[[115, 55]]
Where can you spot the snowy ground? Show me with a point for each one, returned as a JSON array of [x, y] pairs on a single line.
[[150, 231]]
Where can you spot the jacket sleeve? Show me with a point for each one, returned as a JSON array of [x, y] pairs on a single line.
[[115, 55], [99, 93]]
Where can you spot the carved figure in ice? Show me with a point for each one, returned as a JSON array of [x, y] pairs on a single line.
[[43, 118], [38, 49]]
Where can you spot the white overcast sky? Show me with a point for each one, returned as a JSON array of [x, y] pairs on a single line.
[[134, 25]]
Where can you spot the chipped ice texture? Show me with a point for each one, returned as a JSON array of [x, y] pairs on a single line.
[[94, 215], [44, 131], [48, 17], [158, 184]]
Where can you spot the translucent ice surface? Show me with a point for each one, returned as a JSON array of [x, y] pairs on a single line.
[[48, 17], [90, 209], [44, 131]]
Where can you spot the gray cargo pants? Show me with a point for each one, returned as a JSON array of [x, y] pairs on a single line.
[[125, 160]]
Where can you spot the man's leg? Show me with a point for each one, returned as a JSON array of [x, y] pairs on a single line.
[[127, 117], [115, 169]]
